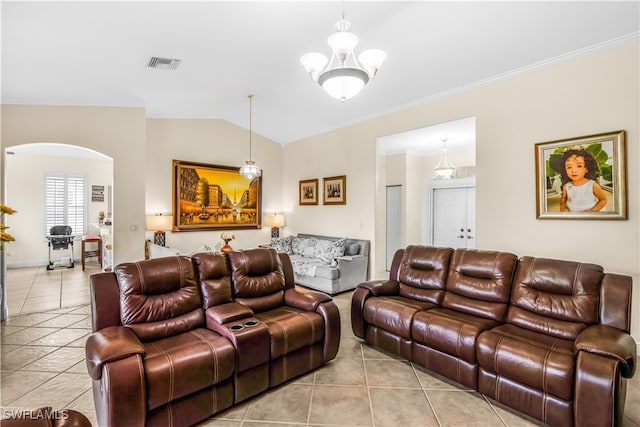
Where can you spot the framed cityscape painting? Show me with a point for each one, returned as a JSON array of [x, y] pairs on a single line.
[[214, 197]]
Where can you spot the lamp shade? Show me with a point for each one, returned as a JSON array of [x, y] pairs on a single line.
[[159, 222], [275, 220], [343, 83]]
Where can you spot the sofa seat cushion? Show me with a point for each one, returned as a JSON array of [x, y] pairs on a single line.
[[183, 364], [531, 358], [451, 332], [394, 313], [291, 329], [314, 267]]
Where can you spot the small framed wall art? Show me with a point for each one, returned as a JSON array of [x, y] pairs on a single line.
[[334, 190], [582, 178], [308, 191]]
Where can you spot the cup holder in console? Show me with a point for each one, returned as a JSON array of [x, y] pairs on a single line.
[[236, 327], [251, 323]]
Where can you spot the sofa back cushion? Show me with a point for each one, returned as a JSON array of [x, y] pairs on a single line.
[[257, 279], [554, 297], [160, 297], [479, 283], [421, 272], [214, 278]]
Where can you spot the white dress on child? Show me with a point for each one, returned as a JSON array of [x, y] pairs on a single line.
[[581, 197]]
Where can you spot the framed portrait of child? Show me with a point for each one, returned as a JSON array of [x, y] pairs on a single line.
[[582, 178]]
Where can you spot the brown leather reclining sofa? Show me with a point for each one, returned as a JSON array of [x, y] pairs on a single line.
[[178, 339], [549, 338]]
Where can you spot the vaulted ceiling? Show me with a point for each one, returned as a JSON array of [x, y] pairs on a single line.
[[95, 53]]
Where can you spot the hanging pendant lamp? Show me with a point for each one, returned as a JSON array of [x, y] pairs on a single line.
[[250, 170], [445, 169], [344, 76]]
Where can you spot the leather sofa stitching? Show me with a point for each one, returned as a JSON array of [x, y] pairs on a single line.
[[214, 353], [171, 370]]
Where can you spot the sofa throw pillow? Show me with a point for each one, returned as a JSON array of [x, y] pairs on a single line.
[[328, 251], [301, 245], [281, 244], [157, 251], [352, 249]]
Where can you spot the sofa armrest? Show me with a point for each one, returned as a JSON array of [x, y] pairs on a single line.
[[308, 301], [108, 345], [380, 288], [349, 257], [353, 270], [609, 342]]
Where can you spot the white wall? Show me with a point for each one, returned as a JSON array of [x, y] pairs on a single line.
[[25, 174], [216, 142], [592, 94]]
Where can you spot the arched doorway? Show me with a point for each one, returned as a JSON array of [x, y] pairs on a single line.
[[27, 170]]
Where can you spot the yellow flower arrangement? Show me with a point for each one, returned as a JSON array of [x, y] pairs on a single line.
[[4, 236]]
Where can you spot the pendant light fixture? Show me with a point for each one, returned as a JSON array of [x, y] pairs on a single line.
[[445, 169], [343, 77], [250, 169]]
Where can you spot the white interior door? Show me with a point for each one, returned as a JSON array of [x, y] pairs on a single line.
[[454, 217], [471, 218], [394, 222]]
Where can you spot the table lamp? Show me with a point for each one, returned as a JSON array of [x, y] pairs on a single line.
[[275, 221], [159, 223]]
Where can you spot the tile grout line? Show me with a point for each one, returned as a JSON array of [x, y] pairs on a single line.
[[426, 395]]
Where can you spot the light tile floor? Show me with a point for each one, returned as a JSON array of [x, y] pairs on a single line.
[[43, 364]]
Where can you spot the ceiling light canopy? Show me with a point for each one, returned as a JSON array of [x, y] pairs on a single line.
[[445, 169], [250, 170], [344, 76]]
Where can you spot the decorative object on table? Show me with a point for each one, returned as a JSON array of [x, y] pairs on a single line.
[[159, 223], [100, 217], [334, 191], [344, 76], [226, 238], [214, 197], [308, 192], [275, 221], [4, 236], [582, 178], [250, 170], [445, 169]]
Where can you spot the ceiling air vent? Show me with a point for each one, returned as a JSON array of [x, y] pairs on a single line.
[[163, 63]]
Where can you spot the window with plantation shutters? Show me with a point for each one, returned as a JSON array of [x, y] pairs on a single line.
[[65, 202]]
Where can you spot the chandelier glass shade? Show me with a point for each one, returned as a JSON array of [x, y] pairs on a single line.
[[344, 76], [250, 170], [445, 169]]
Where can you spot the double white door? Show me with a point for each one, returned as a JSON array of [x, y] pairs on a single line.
[[454, 217]]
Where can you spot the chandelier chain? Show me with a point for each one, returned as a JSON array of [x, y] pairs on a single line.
[[250, 124]]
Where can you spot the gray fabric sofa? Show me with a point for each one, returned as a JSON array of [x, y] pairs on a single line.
[[328, 264]]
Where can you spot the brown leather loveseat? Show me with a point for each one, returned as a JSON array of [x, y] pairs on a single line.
[[178, 339], [549, 338]]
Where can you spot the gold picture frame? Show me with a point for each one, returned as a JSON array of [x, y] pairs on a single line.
[[334, 190], [308, 192], [582, 178], [214, 197]]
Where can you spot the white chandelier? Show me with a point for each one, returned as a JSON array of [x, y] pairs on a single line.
[[250, 169], [445, 169], [344, 76]]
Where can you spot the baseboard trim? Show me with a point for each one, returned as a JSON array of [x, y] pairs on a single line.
[[33, 263]]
